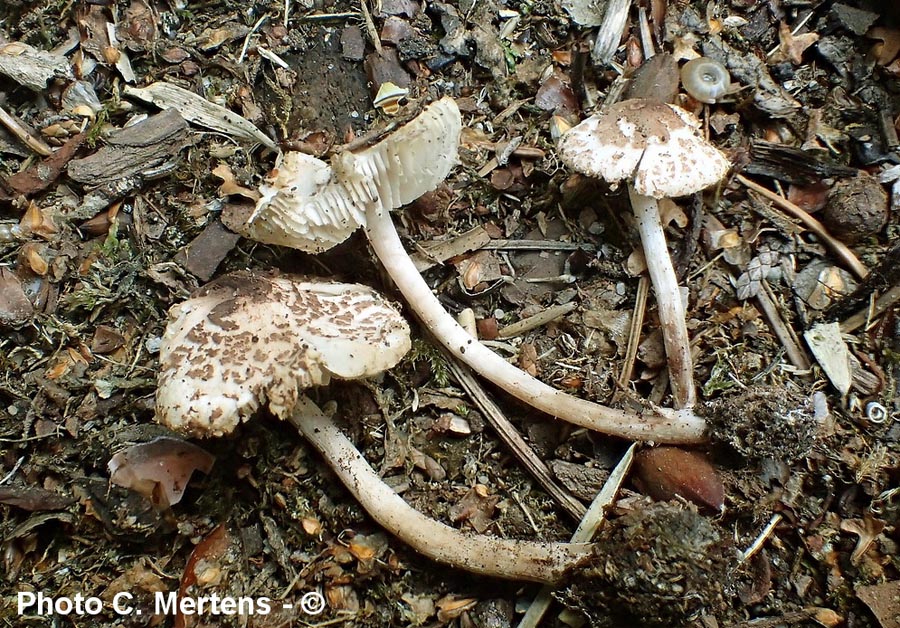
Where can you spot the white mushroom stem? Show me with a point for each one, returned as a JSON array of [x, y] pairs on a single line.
[[490, 556], [668, 298], [661, 425]]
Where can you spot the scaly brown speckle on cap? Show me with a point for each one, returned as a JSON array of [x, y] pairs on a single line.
[[657, 146], [248, 339]]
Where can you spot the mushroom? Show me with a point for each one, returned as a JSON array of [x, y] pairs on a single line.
[[310, 205], [247, 340], [658, 150]]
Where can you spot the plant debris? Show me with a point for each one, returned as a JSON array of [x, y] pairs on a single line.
[[134, 136]]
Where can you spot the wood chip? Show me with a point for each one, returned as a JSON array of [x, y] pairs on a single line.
[[31, 67], [436, 252], [132, 150], [196, 109], [205, 252]]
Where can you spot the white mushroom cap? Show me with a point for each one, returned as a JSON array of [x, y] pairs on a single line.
[[655, 145], [247, 339], [308, 205]]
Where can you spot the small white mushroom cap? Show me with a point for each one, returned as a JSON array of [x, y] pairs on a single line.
[[655, 145], [310, 205], [246, 340]]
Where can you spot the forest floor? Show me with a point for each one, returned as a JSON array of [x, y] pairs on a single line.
[[112, 211]]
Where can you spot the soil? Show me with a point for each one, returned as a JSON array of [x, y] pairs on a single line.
[[105, 225]]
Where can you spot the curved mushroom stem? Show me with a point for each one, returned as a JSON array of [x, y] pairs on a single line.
[[486, 555], [668, 298], [661, 425]]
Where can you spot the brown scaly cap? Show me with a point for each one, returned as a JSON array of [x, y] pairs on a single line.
[[655, 145], [247, 339]]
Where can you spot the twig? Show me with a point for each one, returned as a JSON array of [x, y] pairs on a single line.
[[370, 27], [536, 245], [783, 332], [634, 332], [14, 470], [876, 308], [538, 320], [610, 33], [761, 539], [512, 439], [246, 45], [646, 36], [327, 17], [584, 533], [17, 128], [838, 247]]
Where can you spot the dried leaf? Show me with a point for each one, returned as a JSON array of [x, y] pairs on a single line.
[[230, 185], [792, 46], [884, 601], [33, 498], [451, 607], [159, 469], [832, 354], [477, 507], [890, 43], [15, 308], [867, 529]]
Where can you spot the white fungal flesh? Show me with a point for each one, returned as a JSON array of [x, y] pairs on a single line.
[[657, 146], [482, 554], [669, 304], [247, 339], [310, 205], [661, 425]]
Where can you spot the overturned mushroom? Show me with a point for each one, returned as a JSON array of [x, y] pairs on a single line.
[[657, 149], [247, 340], [312, 206]]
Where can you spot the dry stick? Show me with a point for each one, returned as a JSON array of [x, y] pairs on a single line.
[[584, 533], [370, 26], [863, 317], [486, 555], [610, 33], [783, 332], [838, 247], [15, 126], [634, 332], [540, 319], [658, 424], [512, 439]]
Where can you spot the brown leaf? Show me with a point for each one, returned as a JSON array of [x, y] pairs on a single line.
[[477, 507], [889, 48], [15, 308], [159, 469], [230, 185], [41, 175], [867, 529], [106, 340], [792, 46], [208, 552], [451, 607], [666, 472]]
